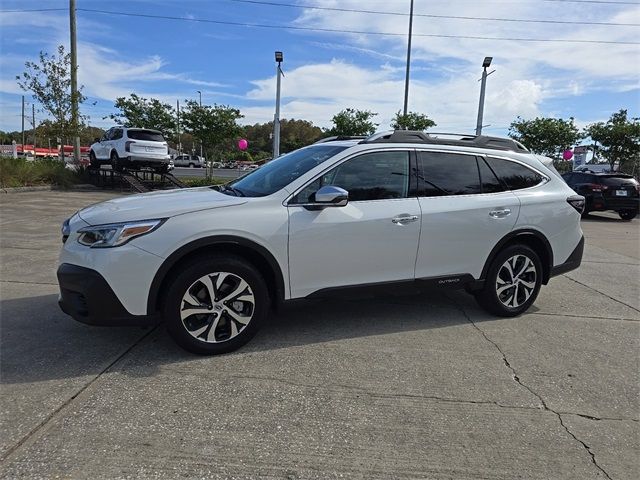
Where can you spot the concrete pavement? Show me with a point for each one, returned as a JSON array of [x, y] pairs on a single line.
[[408, 386]]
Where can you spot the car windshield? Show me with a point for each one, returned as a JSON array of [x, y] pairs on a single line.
[[282, 171], [149, 135]]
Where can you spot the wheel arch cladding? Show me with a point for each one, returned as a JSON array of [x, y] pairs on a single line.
[[256, 254], [531, 238]]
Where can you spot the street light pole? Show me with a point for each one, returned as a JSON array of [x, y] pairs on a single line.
[[276, 119], [483, 86], [406, 80], [200, 93], [74, 82]]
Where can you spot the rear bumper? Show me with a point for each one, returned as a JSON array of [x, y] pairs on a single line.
[[573, 262], [149, 159], [595, 203], [87, 297]]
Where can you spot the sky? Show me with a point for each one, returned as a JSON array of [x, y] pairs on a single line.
[[327, 71]]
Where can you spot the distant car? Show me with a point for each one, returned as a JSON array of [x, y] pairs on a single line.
[[248, 168], [131, 148], [607, 191], [191, 161], [171, 165]]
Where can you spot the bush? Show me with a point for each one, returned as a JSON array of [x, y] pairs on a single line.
[[18, 172], [203, 182]]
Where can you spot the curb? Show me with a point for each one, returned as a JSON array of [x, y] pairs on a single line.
[[47, 188]]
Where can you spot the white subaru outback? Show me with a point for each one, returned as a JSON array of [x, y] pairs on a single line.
[[473, 212]]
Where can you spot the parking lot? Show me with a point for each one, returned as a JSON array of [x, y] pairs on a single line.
[[424, 386]]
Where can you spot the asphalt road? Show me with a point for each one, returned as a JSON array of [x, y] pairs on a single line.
[[422, 386]]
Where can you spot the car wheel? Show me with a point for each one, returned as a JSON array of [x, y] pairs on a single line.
[[93, 161], [162, 169], [191, 165], [512, 283], [216, 304], [628, 214], [115, 162]]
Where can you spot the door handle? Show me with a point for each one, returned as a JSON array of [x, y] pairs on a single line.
[[500, 213], [403, 219]]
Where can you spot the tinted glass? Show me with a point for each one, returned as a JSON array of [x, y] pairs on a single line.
[[514, 175], [447, 174], [372, 176], [280, 172], [618, 180], [117, 134], [148, 135], [490, 183]]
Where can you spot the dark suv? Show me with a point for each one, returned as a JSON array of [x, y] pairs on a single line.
[[606, 191]]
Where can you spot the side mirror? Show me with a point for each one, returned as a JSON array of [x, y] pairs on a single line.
[[328, 196]]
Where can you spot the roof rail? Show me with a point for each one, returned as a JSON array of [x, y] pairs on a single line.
[[341, 137], [461, 140]]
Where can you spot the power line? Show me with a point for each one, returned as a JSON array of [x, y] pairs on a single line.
[[358, 32], [427, 15], [36, 10]]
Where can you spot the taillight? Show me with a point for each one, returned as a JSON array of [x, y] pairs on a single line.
[[596, 187], [127, 145], [577, 202]]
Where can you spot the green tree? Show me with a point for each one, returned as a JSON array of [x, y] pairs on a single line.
[[351, 122], [49, 81], [412, 121], [545, 136], [215, 125], [294, 134], [140, 112], [619, 140]]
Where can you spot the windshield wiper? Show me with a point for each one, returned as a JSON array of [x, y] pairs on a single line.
[[236, 191]]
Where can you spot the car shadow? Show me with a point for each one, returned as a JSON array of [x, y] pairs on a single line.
[[595, 217], [40, 343]]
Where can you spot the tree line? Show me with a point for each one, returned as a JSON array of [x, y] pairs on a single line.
[[216, 128]]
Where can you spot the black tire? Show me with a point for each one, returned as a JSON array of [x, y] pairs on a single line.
[[628, 215], [93, 161], [162, 169], [496, 303], [192, 165], [188, 281], [116, 164]]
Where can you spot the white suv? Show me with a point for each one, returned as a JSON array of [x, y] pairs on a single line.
[[479, 213], [131, 148], [191, 161]]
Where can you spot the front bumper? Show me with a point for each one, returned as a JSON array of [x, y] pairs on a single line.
[[573, 262], [87, 297]]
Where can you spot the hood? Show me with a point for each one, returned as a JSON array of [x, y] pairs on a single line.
[[159, 204]]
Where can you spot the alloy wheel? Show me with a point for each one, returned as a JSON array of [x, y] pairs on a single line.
[[217, 307], [516, 281]]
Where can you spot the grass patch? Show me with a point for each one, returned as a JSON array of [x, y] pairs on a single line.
[[18, 172], [203, 182]]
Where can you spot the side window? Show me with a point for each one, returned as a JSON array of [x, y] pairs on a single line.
[[372, 176], [488, 179], [514, 175], [117, 134], [107, 134], [443, 174]]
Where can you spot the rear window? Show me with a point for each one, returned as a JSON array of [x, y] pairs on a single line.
[[617, 180], [149, 135]]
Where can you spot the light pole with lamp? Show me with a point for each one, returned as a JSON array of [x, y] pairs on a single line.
[[276, 119], [200, 93], [485, 64]]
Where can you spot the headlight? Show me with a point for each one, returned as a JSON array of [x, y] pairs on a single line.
[[116, 234]]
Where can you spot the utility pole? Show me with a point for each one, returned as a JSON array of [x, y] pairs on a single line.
[[200, 93], [483, 85], [74, 82], [33, 114], [406, 80], [178, 127], [23, 124], [276, 119]]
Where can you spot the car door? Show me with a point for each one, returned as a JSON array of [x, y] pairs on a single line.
[[373, 239], [102, 151], [465, 211]]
